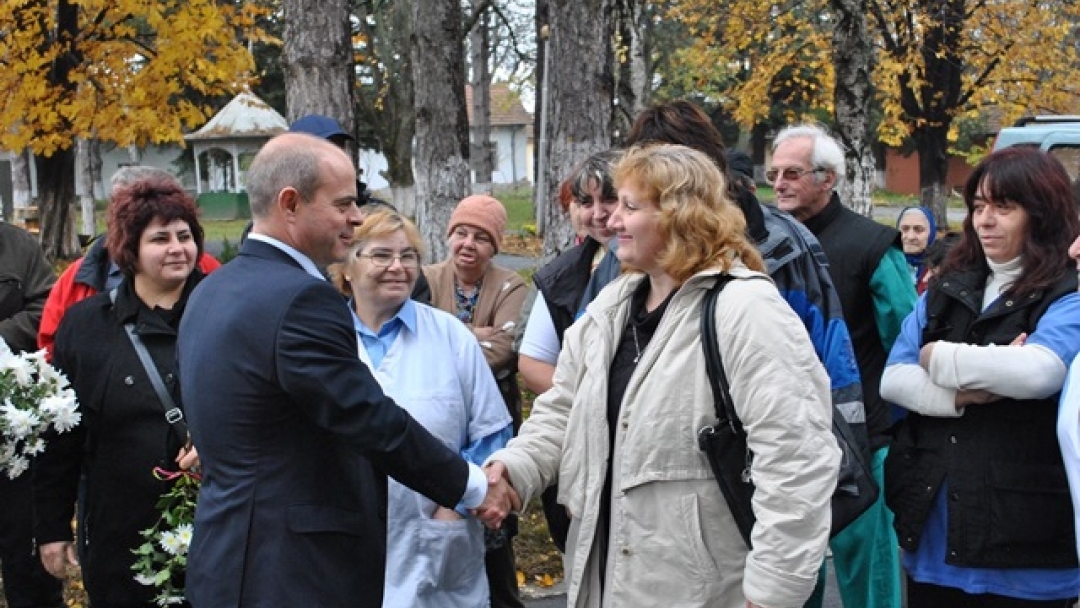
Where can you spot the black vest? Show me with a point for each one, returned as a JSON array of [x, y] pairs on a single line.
[[1008, 497], [854, 246], [563, 281]]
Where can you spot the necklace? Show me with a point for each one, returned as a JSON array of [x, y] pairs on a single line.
[[637, 347]]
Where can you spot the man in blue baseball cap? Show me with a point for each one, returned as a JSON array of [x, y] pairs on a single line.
[[322, 126]]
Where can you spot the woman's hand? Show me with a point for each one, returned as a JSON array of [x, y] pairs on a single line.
[[444, 514], [57, 557], [925, 353], [188, 458]]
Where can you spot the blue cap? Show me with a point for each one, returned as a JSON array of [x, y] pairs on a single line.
[[319, 126]]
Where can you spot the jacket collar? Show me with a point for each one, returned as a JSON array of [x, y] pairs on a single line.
[[130, 309], [826, 216], [94, 268]]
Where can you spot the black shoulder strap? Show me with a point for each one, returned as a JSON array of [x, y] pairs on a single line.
[[173, 414], [714, 365]]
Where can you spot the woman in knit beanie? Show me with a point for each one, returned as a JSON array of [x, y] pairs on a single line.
[[488, 299]]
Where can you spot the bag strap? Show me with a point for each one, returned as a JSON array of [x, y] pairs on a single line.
[[714, 364], [173, 414]]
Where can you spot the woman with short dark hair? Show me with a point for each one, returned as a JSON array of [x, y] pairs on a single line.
[[125, 434], [975, 476]]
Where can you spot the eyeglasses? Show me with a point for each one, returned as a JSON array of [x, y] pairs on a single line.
[[790, 174], [384, 259]]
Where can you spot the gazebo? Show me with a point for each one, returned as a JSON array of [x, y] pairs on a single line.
[[224, 147]]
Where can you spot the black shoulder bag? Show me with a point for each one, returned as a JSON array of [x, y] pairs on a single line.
[[724, 443], [173, 414]]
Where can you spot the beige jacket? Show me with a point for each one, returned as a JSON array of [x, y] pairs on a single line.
[[501, 295], [673, 541]]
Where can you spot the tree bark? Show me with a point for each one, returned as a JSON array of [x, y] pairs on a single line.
[[482, 153], [634, 70], [385, 105], [853, 63], [318, 60], [580, 102], [442, 129], [56, 208], [56, 173], [932, 145], [84, 185]]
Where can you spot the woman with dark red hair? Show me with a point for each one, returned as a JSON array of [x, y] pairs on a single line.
[[974, 476], [114, 347]]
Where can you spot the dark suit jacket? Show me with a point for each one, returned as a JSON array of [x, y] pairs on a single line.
[[294, 435]]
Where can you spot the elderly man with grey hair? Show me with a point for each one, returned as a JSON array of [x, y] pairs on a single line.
[[868, 267], [95, 272]]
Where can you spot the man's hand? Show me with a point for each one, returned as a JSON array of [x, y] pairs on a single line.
[[57, 557], [501, 499]]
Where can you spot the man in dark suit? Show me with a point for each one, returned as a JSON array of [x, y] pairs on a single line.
[[294, 434]]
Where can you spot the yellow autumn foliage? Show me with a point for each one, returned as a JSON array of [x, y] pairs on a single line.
[[1017, 56], [133, 66]]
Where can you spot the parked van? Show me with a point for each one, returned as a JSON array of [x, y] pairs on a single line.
[[1058, 135]]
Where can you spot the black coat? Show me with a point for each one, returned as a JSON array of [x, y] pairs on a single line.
[[122, 437]]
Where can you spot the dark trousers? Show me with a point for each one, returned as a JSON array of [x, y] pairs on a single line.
[[26, 583], [502, 569], [925, 595]]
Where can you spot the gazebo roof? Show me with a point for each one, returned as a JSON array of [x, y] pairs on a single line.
[[245, 117]]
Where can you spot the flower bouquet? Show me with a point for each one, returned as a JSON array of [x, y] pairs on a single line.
[[162, 558], [33, 398]]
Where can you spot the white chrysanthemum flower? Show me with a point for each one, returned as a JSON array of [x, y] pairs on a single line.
[[183, 536], [34, 447], [17, 466], [170, 542], [20, 423], [143, 579], [61, 411], [169, 600]]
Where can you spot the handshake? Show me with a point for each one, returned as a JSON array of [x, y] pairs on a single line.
[[501, 499]]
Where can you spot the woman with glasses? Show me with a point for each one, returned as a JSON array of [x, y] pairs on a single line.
[[487, 298], [433, 367]]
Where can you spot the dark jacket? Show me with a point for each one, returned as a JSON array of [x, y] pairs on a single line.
[[1008, 498], [562, 281], [122, 437], [855, 246], [25, 279], [295, 438], [797, 264]]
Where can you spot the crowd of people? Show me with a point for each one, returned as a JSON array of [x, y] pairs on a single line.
[[356, 419]]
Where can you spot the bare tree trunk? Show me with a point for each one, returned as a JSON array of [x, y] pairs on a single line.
[[853, 62], [932, 145], [442, 129], [634, 70], [84, 185], [22, 194], [482, 152], [56, 173], [385, 108], [542, 22], [318, 60], [56, 208], [580, 106]]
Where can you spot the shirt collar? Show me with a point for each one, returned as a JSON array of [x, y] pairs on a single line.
[[304, 261], [406, 315]]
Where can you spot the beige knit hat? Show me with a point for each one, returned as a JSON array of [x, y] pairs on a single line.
[[483, 212]]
